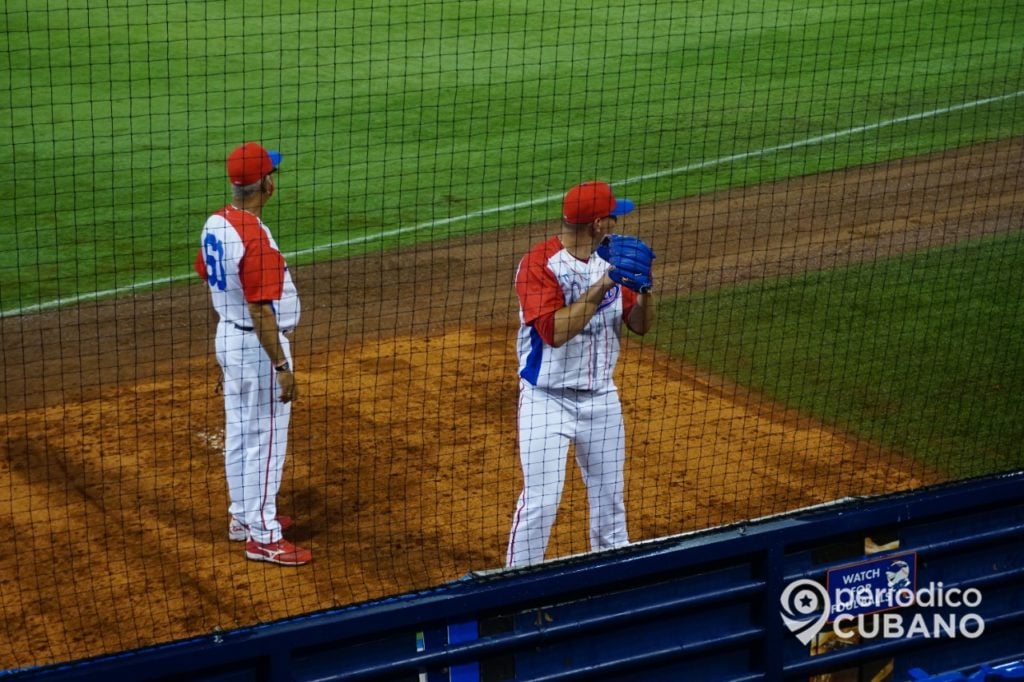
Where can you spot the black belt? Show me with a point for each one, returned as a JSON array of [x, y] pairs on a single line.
[[243, 328]]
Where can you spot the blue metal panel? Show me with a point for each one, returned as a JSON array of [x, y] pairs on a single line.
[[457, 634], [723, 629], [965, 656], [703, 606]]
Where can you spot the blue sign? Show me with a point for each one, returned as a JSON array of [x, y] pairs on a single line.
[[871, 586]]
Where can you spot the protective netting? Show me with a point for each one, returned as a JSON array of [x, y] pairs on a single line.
[[834, 193]]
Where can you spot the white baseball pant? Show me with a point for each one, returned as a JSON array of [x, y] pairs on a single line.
[[255, 430], [548, 421]]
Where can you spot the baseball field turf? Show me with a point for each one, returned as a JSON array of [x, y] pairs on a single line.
[[919, 352], [400, 125], [834, 190]]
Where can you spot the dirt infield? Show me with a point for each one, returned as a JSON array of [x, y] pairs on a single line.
[[403, 471]]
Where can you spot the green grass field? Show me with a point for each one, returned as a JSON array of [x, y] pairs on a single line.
[[919, 353], [403, 122]]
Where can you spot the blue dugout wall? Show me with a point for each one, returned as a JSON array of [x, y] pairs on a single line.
[[696, 607]]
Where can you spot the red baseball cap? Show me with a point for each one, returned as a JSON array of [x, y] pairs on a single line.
[[250, 163], [591, 201]]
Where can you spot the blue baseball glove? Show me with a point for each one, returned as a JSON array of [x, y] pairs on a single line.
[[638, 282], [631, 261]]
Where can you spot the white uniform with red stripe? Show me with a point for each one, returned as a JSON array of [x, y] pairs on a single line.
[[239, 260], [567, 394]]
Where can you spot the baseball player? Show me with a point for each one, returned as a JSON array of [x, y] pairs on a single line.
[[258, 307], [575, 290]]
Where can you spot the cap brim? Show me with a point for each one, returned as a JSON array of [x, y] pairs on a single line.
[[622, 207], [275, 158]]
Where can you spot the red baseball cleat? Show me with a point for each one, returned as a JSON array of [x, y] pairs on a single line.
[[281, 552], [237, 531]]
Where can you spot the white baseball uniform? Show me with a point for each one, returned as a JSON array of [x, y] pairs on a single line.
[[567, 394], [240, 261]]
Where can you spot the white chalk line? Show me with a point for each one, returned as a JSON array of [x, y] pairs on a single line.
[[398, 231]]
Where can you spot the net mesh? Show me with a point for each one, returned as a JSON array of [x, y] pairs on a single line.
[[833, 191]]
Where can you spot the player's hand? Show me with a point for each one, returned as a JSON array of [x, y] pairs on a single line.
[[289, 387]]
